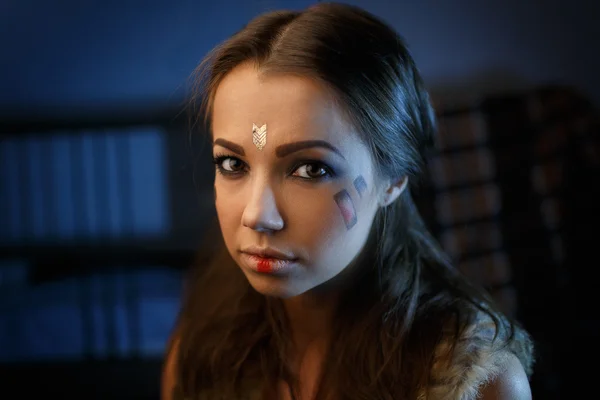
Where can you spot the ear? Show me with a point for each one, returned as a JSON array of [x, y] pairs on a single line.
[[393, 191]]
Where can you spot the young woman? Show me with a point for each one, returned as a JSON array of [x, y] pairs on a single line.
[[327, 284]]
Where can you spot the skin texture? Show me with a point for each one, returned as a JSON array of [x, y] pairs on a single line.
[[511, 384], [302, 202]]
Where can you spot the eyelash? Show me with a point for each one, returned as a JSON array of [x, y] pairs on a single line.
[[329, 173]]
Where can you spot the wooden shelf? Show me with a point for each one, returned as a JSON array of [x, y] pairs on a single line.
[[101, 379], [95, 118], [50, 262]]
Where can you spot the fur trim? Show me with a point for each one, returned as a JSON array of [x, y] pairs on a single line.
[[460, 372]]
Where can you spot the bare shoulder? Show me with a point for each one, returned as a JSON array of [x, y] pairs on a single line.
[[169, 373], [510, 384]]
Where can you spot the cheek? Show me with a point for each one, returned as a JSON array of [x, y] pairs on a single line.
[[332, 223], [318, 218], [229, 206]]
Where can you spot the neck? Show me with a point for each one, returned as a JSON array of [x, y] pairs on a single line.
[[310, 316]]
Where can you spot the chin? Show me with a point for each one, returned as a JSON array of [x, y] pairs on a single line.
[[278, 287]]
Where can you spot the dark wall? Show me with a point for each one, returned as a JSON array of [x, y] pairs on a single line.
[[134, 53]]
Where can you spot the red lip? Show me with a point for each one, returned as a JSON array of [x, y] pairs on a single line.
[[265, 265]]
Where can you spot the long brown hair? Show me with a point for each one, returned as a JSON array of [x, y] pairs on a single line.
[[388, 325]]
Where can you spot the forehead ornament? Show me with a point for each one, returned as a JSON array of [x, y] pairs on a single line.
[[259, 136]]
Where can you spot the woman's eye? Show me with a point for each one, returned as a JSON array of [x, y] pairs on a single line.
[[228, 164], [231, 164], [311, 171]]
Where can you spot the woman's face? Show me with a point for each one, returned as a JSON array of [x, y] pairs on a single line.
[[297, 212]]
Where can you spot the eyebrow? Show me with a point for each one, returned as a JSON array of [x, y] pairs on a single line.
[[284, 149], [236, 148], [289, 148]]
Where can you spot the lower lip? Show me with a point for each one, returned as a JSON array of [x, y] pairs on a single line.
[[266, 265]]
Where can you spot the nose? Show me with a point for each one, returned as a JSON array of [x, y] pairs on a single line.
[[261, 213]]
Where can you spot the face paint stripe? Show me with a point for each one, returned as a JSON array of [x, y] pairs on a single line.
[[344, 203], [360, 185]]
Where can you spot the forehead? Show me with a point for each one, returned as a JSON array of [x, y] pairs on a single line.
[[293, 107]]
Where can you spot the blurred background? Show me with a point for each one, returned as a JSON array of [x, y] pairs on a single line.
[[104, 199]]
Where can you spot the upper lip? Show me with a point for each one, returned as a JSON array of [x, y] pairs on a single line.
[[268, 252]]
